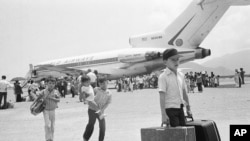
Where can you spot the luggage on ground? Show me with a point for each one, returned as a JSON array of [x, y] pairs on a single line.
[[205, 130], [168, 134]]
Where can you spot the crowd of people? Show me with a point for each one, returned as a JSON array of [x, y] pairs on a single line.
[[200, 80], [131, 83], [203, 79], [70, 85]]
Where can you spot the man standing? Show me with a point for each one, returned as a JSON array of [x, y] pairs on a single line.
[[92, 77], [242, 73], [173, 94], [4, 84]]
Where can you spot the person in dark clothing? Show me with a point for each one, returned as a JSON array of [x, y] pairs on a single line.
[[199, 82], [242, 73], [59, 86], [97, 76], [64, 86], [72, 88], [18, 91], [118, 85]]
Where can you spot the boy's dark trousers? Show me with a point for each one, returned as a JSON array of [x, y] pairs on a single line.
[[90, 126], [176, 116]]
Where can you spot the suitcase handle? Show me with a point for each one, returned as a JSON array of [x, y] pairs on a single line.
[[187, 117], [167, 124]]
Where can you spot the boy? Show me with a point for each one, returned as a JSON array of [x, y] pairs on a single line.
[[98, 102], [173, 95], [51, 96], [86, 88]]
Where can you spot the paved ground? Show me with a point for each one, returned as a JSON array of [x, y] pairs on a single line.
[[128, 113]]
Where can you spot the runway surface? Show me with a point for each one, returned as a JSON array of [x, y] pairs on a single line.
[[127, 114]]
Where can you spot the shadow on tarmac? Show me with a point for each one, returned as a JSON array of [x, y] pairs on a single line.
[[227, 86], [230, 85]]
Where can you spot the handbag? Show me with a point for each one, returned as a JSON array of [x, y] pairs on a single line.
[[38, 105]]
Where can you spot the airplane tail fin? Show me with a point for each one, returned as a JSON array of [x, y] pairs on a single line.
[[195, 22], [191, 27]]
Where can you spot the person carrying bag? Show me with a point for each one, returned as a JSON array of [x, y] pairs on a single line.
[[47, 103], [38, 105]]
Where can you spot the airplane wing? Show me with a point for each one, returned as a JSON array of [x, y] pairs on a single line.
[[66, 70]]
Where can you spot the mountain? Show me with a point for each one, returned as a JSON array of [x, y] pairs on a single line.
[[195, 67], [231, 61]]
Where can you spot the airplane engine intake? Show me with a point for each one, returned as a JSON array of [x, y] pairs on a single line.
[[202, 53]]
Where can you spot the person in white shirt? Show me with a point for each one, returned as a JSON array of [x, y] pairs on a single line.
[[92, 77], [4, 84], [173, 94]]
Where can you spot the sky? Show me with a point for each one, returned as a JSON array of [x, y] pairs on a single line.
[[33, 31]]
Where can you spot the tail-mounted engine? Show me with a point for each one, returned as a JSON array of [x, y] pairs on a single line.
[[202, 53]]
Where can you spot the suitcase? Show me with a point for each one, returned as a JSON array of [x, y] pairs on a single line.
[[205, 130], [168, 134]]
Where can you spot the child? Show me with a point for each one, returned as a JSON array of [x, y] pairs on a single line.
[[86, 88], [51, 96], [97, 104], [173, 96]]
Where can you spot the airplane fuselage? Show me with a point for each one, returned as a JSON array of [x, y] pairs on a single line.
[[115, 64]]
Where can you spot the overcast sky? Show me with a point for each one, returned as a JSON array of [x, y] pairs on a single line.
[[33, 31]]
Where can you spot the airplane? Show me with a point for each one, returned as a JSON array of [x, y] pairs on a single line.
[[185, 33]]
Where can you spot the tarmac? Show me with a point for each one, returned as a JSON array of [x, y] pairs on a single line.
[[127, 114]]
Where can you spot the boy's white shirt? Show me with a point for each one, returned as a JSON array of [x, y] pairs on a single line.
[[168, 78]]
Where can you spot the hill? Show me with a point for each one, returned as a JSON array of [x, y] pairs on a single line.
[[192, 66], [231, 61]]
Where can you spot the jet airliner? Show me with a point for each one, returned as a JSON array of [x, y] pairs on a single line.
[[185, 33]]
